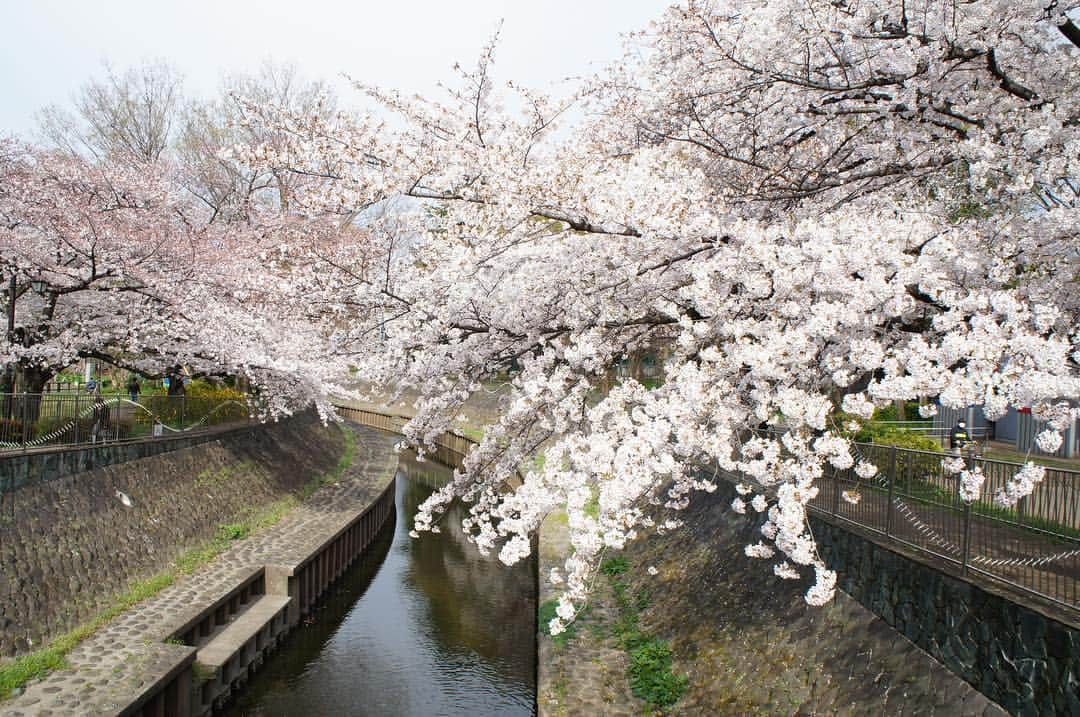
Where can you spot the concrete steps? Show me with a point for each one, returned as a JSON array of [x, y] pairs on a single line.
[[239, 648]]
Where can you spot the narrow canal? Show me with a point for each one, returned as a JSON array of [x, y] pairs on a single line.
[[417, 627]]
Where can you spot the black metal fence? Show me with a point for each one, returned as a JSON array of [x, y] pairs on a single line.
[[914, 500], [29, 420]]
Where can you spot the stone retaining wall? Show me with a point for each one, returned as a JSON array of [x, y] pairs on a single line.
[[69, 544], [1026, 662]]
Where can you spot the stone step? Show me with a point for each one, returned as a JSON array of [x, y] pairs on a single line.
[[227, 643]]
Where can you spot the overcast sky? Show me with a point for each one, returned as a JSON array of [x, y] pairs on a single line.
[[51, 47]]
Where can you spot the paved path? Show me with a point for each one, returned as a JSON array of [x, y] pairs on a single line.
[[1033, 561], [109, 669]]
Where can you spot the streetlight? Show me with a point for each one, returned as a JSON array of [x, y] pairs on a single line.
[[39, 286]]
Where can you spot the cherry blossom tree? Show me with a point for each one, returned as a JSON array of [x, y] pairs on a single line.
[[819, 206], [116, 261]]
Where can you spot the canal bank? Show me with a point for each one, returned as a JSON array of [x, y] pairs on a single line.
[[745, 640], [424, 626], [228, 614]]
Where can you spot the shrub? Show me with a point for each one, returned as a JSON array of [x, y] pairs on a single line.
[[614, 566], [233, 531], [651, 677], [907, 439]]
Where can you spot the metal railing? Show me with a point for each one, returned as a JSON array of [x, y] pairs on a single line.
[[31, 420], [913, 500]]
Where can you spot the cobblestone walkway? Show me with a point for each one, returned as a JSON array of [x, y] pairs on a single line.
[[108, 670]]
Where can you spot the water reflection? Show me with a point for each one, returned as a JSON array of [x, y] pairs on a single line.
[[432, 629]]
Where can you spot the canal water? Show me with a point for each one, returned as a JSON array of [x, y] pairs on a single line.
[[417, 627]]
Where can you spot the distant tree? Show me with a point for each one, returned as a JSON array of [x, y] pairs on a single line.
[[128, 116], [228, 188]]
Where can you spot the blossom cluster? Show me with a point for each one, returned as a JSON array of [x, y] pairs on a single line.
[[888, 214]]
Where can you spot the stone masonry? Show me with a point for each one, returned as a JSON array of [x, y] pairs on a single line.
[[68, 545], [113, 667]]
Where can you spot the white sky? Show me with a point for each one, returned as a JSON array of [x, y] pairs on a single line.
[[51, 47]]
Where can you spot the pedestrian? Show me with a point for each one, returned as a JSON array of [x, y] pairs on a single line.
[[133, 388], [959, 437]]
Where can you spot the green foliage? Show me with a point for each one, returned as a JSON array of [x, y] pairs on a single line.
[[546, 614], [592, 507], [650, 674], [888, 413], [614, 566], [334, 475], [37, 664], [233, 531], [875, 431], [28, 667], [968, 209], [210, 477], [906, 439]]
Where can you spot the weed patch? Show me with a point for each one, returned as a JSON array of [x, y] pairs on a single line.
[[650, 674]]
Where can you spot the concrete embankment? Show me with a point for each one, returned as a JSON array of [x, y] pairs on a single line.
[[185, 650], [69, 544], [746, 640]]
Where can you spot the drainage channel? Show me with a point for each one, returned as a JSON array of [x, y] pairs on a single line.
[[416, 627]]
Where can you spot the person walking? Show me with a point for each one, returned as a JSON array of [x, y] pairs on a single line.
[[959, 437], [133, 388]]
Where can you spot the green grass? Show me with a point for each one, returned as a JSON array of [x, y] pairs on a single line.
[[471, 432], [614, 566], [39, 663], [546, 615], [998, 454], [335, 473], [210, 477], [928, 492], [649, 672]]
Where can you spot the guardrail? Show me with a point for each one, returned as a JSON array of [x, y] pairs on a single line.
[[32, 420], [447, 443], [1033, 548]]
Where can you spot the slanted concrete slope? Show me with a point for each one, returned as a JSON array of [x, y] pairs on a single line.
[[746, 639], [142, 663], [68, 545]]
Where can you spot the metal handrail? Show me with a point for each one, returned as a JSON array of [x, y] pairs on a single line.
[[69, 418]]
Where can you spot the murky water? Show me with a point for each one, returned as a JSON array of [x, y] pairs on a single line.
[[418, 627]]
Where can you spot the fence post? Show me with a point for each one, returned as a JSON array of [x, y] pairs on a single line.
[[835, 490], [967, 518], [78, 396], [892, 490], [25, 417]]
